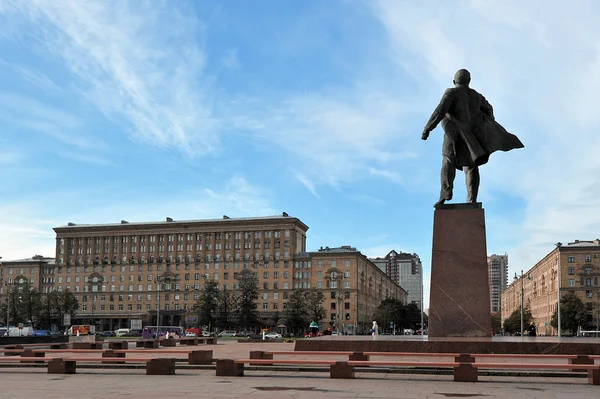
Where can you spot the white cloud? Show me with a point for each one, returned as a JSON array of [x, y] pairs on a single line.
[[307, 183], [231, 60], [26, 231], [137, 60]]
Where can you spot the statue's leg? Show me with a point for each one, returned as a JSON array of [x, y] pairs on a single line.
[[447, 180], [472, 180]]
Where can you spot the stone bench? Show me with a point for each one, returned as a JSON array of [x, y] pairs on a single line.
[[118, 345], [88, 345]]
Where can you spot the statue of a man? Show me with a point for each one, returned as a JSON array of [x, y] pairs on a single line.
[[471, 135]]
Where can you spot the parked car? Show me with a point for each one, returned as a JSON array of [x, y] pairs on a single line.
[[108, 334], [227, 333], [272, 335], [133, 333]]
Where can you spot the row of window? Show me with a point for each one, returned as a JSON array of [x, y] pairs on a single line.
[[258, 257], [587, 270], [198, 238], [571, 258], [172, 247]]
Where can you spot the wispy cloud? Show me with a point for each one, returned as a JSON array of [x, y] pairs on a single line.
[[307, 183], [139, 62], [231, 60], [24, 226], [33, 76]]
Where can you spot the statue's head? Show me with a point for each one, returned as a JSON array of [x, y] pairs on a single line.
[[462, 78]]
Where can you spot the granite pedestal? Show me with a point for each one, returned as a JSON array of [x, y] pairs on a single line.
[[460, 296]]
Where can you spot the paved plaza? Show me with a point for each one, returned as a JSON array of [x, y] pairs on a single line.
[[192, 383]]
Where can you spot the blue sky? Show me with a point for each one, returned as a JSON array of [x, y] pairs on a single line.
[[138, 110]]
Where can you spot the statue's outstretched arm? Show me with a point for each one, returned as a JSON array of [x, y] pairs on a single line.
[[439, 113]]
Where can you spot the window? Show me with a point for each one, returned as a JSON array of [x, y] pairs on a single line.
[[588, 258], [571, 270], [332, 305], [265, 295], [570, 259], [571, 283], [589, 294], [347, 263]]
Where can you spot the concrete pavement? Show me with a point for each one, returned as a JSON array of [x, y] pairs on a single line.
[[133, 384]]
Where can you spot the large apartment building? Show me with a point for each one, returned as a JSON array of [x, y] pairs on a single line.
[[117, 271], [498, 279], [406, 270], [353, 286], [572, 268]]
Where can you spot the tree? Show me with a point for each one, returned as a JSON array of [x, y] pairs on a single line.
[[513, 323], [208, 302], [572, 313], [314, 309], [496, 323], [391, 311], [25, 305], [246, 312], [295, 311], [226, 305], [67, 304]]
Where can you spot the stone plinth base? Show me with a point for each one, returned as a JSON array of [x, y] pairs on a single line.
[[460, 294], [200, 357], [118, 345], [59, 366], [160, 367], [227, 368], [341, 370], [112, 354]]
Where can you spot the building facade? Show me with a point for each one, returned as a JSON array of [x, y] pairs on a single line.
[[407, 271], [572, 268], [352, 284], [498, 279], [118, 271]]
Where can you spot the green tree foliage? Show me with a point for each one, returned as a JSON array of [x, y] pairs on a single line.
[[247, 314], [314, 300], [392, 310], [572, 313], [496, 323], [28, 305], [513, 323], [296, 311], [208, 302], [225, 310]]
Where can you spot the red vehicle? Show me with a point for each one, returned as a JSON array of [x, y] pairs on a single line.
[[194, 330]]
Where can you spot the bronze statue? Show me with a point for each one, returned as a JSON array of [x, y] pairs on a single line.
[[471, 135]]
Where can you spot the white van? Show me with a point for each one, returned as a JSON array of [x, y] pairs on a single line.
[[122, 331]]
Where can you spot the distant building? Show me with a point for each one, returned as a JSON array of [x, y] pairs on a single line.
[[498, 279], [355, 292], [579, 265], [406, 270]]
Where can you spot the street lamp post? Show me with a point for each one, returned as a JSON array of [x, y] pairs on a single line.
[[94, 283], [522, 277], [158, 284], [558, 245]]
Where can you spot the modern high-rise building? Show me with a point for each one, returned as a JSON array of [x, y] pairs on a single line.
[[407, 270], [118, 271], [498, 279], [572, 268]]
